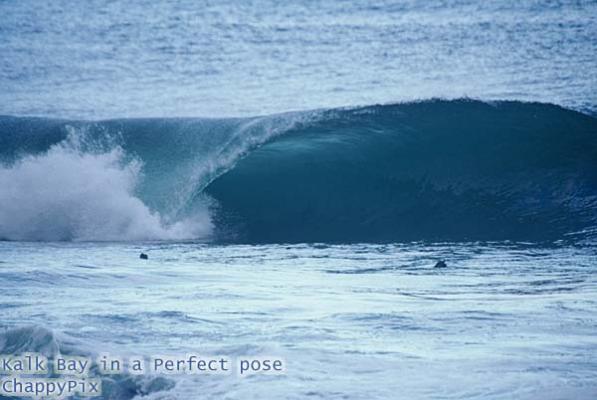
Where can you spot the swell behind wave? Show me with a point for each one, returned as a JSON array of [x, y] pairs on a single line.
[[432, 170]]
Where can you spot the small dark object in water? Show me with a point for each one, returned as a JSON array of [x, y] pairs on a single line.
[[440, 264], [143, 256]]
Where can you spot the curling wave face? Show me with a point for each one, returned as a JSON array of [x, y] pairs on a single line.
[[432, 170]]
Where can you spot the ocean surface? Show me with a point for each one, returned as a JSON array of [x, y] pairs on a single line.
[[366, 321], [106, 59], [294, 171]]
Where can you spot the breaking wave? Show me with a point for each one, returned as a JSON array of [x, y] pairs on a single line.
[[67, 193], [431, 170]]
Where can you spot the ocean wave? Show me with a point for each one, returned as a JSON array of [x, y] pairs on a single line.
[[429, 170]]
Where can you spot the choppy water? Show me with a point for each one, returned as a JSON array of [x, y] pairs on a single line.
[[352, 321]]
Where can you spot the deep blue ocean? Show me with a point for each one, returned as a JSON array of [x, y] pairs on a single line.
[[294, 171]]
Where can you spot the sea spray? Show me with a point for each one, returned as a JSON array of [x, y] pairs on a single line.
[[81, 191]]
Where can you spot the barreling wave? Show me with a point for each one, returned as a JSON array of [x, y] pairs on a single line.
[[433, 170]]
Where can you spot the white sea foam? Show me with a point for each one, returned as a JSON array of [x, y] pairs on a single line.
[[73, 193]]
